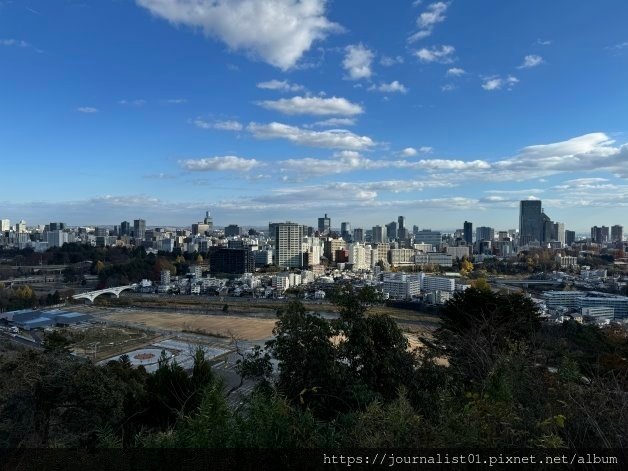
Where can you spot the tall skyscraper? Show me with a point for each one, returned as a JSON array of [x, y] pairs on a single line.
[[530, 222], [401, 221], [324, 224], [345, 230], [468, 233], [558, 232], [378, 234], [600, 235], [570, 237], [617, 233], [125, 228], [5, 225], [288, 248], [139, 228], [358, 235], [391, 230]]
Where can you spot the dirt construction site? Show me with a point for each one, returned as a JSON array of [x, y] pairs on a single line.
[[245, 328]]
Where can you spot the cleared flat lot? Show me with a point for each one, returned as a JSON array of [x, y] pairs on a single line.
[[242, 328]]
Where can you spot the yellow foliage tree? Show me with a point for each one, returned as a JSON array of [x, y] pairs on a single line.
[[481, 284], [100, 266], [466, 266]]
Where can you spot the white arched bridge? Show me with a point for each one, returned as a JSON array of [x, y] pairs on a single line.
[[91, 295]]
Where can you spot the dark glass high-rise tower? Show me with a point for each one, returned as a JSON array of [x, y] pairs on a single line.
[[530, 222], [468, 232]]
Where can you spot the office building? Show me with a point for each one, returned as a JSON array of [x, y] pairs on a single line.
[[165, 277], [438, 283], [324, 225], [428, 236], [530, 222], [288, 249], [139, 229], [458, 252], [345, 231], [570, 237], [57, 238], [558, 232], [401, 257], [263, 258], [391, 230], [434, 258], [617, 233], [377, 235], [125, 228], [358, 235], [200, 228], [101, 232], [600, 235], [401, 285], [233, 261], [20, 227], [483, 233], [468, 233], [232, 230], [56, 226], [331, 248]]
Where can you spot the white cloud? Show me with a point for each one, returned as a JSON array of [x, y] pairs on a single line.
[[623, 45], [13, 42], [594, 151], [331, 139], [344, 162], [388, 61], [137, 102], [278, 32], [455, 72], [315, 106], [411, 151], [434, 14], [357, 61], [442, 54], [497, 83], [228, 125], [332, 123], [530, 61], [176, 101], [448, 87], [18, 43], [87, 109], [281, 85], [392, 87], [218, 164], [544, 42]]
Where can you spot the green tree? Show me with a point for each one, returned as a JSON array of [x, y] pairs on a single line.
[[478, 325]]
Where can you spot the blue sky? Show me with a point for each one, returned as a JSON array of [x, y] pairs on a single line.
[[280, 109]]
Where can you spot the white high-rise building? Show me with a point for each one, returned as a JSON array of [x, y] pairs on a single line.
[[357, 256], [5, 225], [20, 227], [288, 239]]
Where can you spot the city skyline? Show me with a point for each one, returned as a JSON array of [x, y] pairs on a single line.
[[413, 110]]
